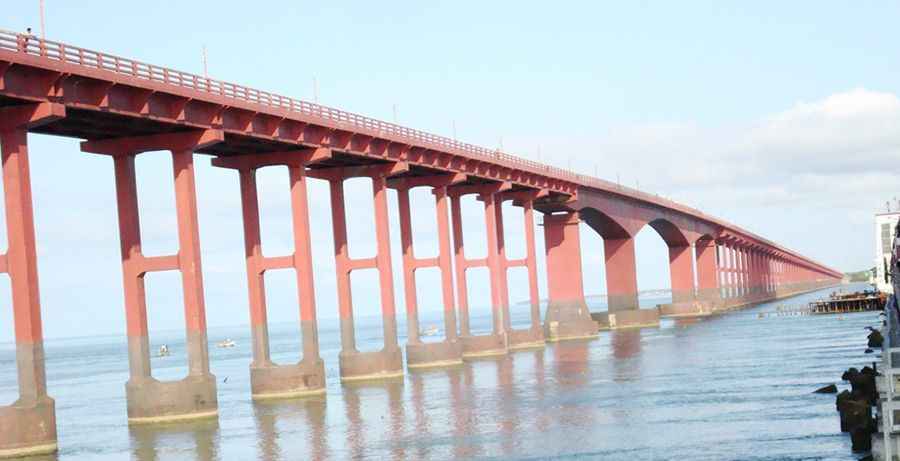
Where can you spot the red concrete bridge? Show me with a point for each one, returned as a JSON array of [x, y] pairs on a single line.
[[122, 108]]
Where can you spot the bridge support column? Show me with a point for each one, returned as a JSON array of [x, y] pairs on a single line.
[[387, 362], [532, 337], [449, 351], [495, 343], [621, 274], [28, 425], [681, 271], [707, 272], [621, 289], [150, 400], [567, 314], [269, 380]]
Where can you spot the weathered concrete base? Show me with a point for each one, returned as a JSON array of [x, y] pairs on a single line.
[[636, 318], [568, 320], [28, 428], [272, 381], [153, 401], [446, 353], [363, 366], [686, 309], [476, 346], [532, 338]]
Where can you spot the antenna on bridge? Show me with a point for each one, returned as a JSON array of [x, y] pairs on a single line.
[[315, 90], [43, 29], [205, 68]]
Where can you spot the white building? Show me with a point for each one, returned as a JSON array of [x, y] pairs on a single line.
[[885, 222]]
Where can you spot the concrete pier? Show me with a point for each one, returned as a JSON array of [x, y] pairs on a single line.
[[150, 400], [28, 425], [386, 363], [421, 354], [269, 380], [567, 314]]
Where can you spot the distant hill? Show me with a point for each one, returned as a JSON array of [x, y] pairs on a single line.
[[859, 276]]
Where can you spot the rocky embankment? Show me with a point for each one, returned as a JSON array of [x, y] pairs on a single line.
[[856, 405]]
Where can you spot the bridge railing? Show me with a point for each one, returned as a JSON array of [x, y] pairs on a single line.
[[69, 54], [73, 55]]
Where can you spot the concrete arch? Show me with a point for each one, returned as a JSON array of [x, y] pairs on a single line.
[[605, 225], [670, 233]]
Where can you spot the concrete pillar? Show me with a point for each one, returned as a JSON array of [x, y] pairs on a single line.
[[28, 425], [567, 315], [387, 362], [495, 343], [449, 351], [269, 380], [681, 271], [621, 274], [150, 400], [532, 337], [707, 271]]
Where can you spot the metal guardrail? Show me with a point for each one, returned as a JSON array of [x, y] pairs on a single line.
[[73, 55]]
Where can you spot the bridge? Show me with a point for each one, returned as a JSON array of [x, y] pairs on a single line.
[[122, 108]]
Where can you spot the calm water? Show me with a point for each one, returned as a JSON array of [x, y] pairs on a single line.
[[731, 387]]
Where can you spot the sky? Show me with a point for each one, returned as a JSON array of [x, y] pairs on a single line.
[[783, 118]]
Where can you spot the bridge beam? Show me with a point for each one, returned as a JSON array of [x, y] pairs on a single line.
[[269, 380], [388, 362], [421, 354], [568, 316], [150, 400], [28, 425]]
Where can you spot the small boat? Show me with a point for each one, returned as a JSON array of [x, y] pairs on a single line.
[[163, 351], [430, 331], [226, 343]]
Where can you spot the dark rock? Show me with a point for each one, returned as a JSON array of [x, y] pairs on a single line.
[[855, 414], [829, 389], [841, 398], [868, 351], [875, 339], [861, 439], [863, 386], [850, 372]]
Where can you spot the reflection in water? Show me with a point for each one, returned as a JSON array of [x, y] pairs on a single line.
[[198, 440], [278, 421], [375, 414], [718, 389], [625, 343]]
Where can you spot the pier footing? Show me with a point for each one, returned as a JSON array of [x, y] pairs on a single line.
[[153, 401], [476, 346], [686, 309], [364, 366], [636, 318], [434, 355], [272, 381], [28, 427], [569, 320]]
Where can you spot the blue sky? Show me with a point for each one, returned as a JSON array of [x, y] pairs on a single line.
[[780, 117]]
